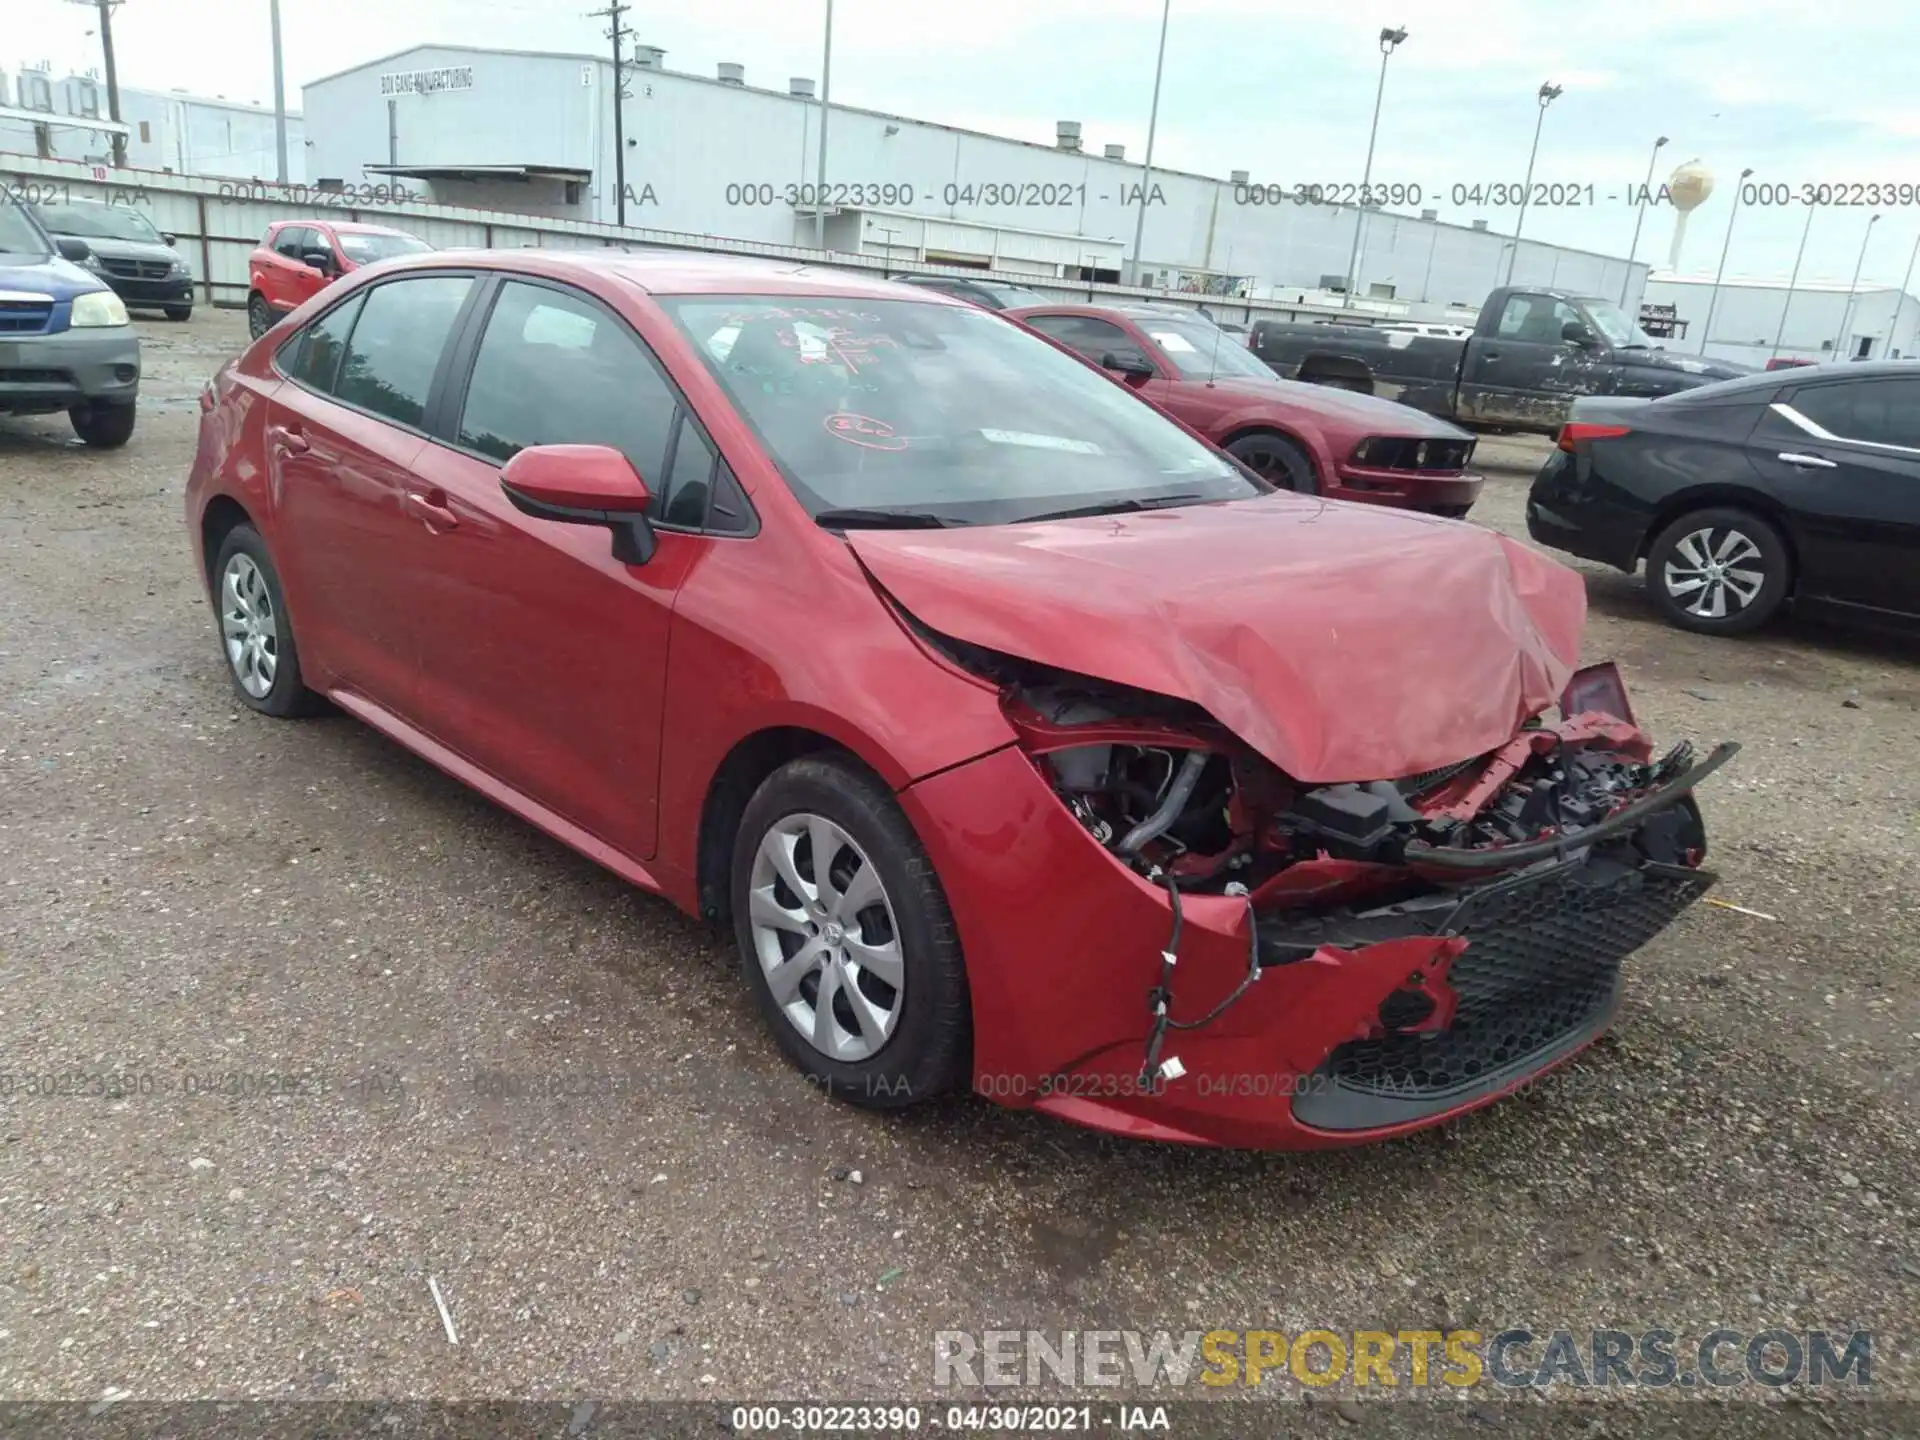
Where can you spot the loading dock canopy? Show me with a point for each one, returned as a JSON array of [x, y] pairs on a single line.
[[483, 172]]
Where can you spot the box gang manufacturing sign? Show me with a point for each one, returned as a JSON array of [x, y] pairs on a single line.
[[425, 82]]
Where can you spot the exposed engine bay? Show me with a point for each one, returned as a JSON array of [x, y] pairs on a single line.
[[1173, 794]]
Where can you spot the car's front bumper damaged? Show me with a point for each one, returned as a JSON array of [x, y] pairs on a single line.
[[1175, 940]]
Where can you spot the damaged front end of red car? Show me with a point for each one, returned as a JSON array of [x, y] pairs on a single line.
[[1341, 962]]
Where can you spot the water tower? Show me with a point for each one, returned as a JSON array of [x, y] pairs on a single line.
[[1688, 188]]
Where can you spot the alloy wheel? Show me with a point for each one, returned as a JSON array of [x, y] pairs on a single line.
[[1714, 573], [825, 936], [249, 626]]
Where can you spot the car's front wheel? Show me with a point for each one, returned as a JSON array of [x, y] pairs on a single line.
[[1719, 571], [1276, 459], [845, 937], [103, 424], [179, 312], [256, 635]]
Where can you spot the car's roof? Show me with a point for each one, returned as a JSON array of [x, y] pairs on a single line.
[[1130, 312], [673, 272], [345, 227], [1766, 381]]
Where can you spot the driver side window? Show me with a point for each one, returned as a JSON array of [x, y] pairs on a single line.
[[1095, 339]]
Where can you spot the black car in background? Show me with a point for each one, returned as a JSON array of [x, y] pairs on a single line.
[[1797, 485], [135, 259]]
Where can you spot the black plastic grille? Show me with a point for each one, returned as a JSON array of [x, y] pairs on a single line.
[[1542, 963], [138, 269], [1409, 452]]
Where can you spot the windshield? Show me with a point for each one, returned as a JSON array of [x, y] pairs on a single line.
[[941, 411], [98, 222], [1621, 332], [1200, 351], [18, 234], [364, 249]]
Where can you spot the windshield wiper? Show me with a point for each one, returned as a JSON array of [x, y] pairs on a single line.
[[1113, 507], [857, 518]]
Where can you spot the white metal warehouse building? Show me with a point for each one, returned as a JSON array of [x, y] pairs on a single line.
[[1881, 323], [66, 119], [533, 132]]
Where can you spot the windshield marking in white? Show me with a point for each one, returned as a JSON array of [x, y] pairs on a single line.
[[1041, 442]]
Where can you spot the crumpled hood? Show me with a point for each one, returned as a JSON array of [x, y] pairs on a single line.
[[1343, 642]]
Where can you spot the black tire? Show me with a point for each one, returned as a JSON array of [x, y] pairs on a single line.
[[260, 315], [179, 312], [1452, 512], [1278, 460], [103, 424], [1736, 536], [287, 697], [929, 1049]]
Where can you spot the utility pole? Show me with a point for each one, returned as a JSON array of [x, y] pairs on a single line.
[[1153, 122], [1548, 93], [105, 7], [279, 95], [826, 89], [1633, 250], [1389, 38], [618, 33]]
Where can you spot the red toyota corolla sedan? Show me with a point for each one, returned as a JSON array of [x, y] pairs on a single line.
[[1019, 737], [1311, 438]]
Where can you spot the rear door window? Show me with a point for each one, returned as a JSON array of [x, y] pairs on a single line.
[[313, 356], [396, 344], [1880, 412]]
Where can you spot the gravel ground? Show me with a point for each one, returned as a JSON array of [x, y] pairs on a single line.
[[190, 891]]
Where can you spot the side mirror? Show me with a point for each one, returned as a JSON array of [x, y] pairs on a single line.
[[169, 239], [71, 247], [1576, 333], [320, 260], [1129, 368], [584, 485]]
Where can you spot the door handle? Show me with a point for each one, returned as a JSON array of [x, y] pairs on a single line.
[[291, 440], [432, 507], [1489, 354], [1806, 462]]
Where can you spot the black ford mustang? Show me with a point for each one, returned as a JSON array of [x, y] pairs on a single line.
[[1797, 485]]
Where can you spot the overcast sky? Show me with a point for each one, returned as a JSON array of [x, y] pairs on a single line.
[[1799, 92]]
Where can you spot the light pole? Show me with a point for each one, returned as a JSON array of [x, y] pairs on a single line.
[[1792, 280], [1549, 93], [1846, 315], [1900, 305], [1639, 219], [826, 85], [1389, 38], [1713, 299], [1153, 121]]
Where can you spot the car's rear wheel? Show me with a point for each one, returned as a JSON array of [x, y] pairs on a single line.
[[103, 424], [1277, 459], [256, 635], [845, 937], [1719, 571], [259, 315]]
